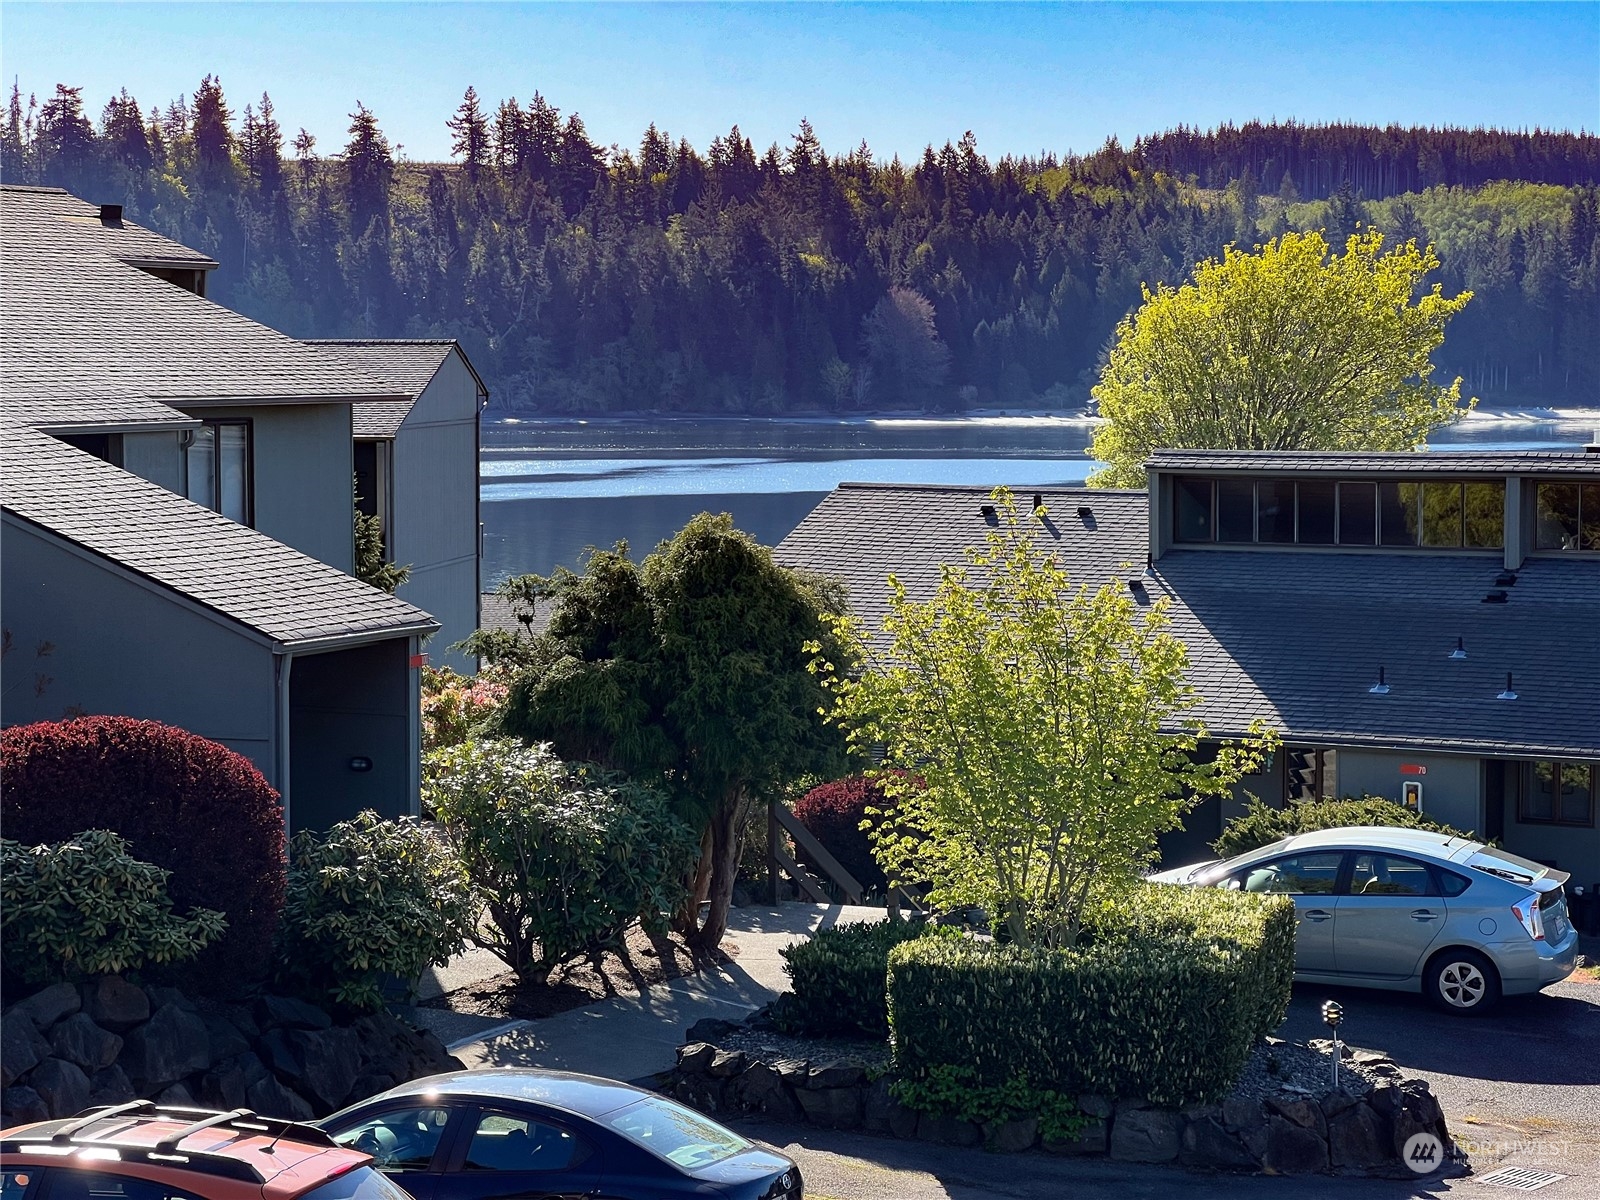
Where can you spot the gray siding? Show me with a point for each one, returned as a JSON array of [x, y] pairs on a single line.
[[156, 457], [1569, 848], [435, 513], [1452, 789], [302, 460], [122, 647]]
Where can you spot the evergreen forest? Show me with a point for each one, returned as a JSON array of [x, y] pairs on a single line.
[[668, 278]]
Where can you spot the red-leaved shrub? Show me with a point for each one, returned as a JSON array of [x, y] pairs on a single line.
[[182, 802], [833, 813]]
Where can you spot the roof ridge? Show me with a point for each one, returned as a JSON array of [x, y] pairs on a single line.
[[35, 187], [869, 485]]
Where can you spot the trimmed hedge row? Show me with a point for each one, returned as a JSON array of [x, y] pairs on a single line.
[[1261, 825], [839, 978], [1165, 1004]]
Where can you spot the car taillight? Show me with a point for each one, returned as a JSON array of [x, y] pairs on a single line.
[[1529, 917]]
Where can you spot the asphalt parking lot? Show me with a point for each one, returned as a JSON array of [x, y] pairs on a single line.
[[1521, 1086]]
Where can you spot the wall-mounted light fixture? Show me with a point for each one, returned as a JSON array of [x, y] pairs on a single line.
[[360, 763]]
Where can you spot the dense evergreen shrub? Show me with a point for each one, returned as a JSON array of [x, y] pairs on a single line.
[[834, 814], [1261, 825], [368, 901], [1168, 1012], [561, 857], [87, 907], [840, 976], [186, 804]]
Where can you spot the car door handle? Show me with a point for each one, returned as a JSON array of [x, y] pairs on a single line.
[[1424, 914], [1315, 914]]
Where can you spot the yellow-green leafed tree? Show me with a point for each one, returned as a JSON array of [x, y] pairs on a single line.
[[1288, 347]]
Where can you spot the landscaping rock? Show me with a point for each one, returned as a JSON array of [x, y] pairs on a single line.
[[882, 1113], [369, 1085], [835, 1075], [793, 1071], [832, 1107], [273, 1012], [161, 996], [725, 1064], [62, 1086], [1207, 1145], [1240, 1113], [1291, 1149], [271, 1099], [227, 1039], [947, 1131], [115, 1004], [1334, 1103], [702, 1092], [1094, 1139], [176, 1096], [1011, 1137], [79, 1040], [322, 1063], [1091, 1105], [1300, 1110], [173, 1043], [111, 1085], [761, 1089], [1358, 1140], [1145, 1135], [45, 1008], [694, 1058], [22, 1048], [709, 1029], [23, 1105]]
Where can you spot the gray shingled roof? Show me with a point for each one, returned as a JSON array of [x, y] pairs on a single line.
[[246, 576], [405, 366], [495, 612], [1289, 637], [78, 323], [77, 223], [1402, 462]]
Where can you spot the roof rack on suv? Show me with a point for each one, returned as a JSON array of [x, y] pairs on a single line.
[[77, 1132]]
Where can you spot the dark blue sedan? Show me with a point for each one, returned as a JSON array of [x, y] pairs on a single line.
[[512, 1134]]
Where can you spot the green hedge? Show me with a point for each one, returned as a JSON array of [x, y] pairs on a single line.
[[1261, 825], [1164, 1004], [839, 977]]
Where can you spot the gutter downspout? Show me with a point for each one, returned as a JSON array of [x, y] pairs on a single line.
[[282, 663], [414, 730]]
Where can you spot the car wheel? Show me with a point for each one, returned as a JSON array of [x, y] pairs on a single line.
[[1462, 982]]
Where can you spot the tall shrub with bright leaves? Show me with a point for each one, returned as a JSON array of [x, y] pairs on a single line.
[[187, 804], [1288, 347], [1044, 733], [368, 901]]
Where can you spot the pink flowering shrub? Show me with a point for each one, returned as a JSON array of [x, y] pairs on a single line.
[[455, 706]]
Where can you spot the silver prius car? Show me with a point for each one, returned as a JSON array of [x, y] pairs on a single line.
[[1409, 910]]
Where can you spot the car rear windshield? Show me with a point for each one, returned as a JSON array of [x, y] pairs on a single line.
[[677, 1134], [1506, 865], [363, 1183]]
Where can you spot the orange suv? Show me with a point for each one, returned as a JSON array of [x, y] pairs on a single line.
[[138, 1151]]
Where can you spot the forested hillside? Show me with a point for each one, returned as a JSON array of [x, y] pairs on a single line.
[[590, 279]]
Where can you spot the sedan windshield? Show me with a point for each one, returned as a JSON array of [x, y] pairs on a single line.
[[677, 1134]]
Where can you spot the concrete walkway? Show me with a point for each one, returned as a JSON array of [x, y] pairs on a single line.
[[631, 1037]]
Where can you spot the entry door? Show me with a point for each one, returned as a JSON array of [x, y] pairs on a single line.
[[519, 1154], [1312, 880], [1390, 917]]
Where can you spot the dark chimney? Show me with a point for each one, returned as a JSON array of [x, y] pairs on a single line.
[[1038, 501], [111, 214]]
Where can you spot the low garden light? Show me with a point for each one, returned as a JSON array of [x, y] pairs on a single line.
[[1332, 1015]]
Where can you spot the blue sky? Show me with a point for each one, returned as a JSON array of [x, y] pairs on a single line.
[[1023, 77]]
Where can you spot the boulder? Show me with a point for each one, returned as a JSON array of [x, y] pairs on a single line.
[[79, 1040], [1334, 1103], [62, 1085], [274, 1012], [725, 1064], [1207, 1145], [1299, 1110], [110, 1085], [271, 1099], [700, 1091], [947, 1131], [177, 1095], [1094, 1138], [694, 1058], [1011, 1137], [227, 1039], [21, 1047], [321, 1064], [761, 1089], [1239, 1113], [709, 1029], [1091, 1105], [836, 1075], [369, 1084], [1290, 1149], [115, 1004], [882, 1113], [47, 1007], [160, 996], [391, 1047], [224, 1087], [173, 1043], [1358, 1140], [792, 1070], [22, 1106], [832, 1107], [1145, 1135]]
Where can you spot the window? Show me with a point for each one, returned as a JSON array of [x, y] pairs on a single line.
[[17, 1184], [1389, 875], [1558, 793], [1316, 505], [91, 1185], [1275, 510], [676, 1134], [399, 1140], [503, 1142], [1300, 875], [363, 1183], [1397, 511], [1358, 514], [1441, 514], [1484, 509], [1236, 510], [1192, 518], [217, 469], [1568, 517], [1311, 774]]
